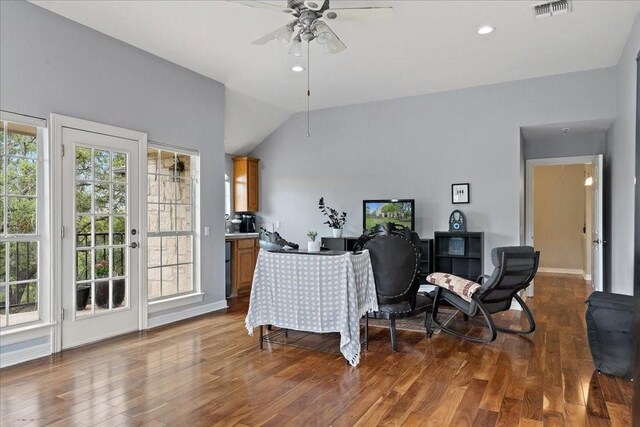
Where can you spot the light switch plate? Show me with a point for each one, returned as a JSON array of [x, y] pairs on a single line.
[[206, 230]]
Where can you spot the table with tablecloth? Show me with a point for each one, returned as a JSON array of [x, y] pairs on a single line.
[[315, 293]]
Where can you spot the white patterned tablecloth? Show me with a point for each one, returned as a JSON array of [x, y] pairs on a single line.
[[314, 293]]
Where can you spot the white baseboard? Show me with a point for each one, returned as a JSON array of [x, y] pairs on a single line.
[[24, 355], [560, 270], [586, 277], [165, 319]]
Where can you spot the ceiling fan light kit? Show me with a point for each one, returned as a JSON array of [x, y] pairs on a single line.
[[308, 26], [296, 47]]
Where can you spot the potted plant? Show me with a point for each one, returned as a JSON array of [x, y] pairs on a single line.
[[313, 246], [335, 220], [83, 291], [102, 286]]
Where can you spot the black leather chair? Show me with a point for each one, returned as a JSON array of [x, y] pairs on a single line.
[[515, 267], [395, 260]]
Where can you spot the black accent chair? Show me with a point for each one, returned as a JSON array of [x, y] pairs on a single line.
[[395, 260], [515, 267]]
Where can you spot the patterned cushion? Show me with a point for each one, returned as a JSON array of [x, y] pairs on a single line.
[[458, 285]]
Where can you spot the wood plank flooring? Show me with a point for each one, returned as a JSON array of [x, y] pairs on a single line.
[[208, 371]]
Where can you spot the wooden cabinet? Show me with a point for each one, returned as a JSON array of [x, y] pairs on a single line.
[[244, 255], [460, 253], [246, 185]]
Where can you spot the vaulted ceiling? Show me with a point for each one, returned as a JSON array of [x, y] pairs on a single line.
[[421, 47]]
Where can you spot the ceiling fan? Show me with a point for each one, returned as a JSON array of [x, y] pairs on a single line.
[[308, 24]]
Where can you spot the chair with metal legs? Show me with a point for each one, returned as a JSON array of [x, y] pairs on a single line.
[[515, 268]]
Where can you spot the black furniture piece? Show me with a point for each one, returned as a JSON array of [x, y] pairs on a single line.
[[459, 253], [610, 330], [515, 267], [395, 260], [339, 243], [426, 260]]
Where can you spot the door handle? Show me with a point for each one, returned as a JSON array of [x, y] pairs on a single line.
[[133, 245]]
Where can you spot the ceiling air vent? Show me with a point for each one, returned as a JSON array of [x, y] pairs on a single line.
[[552, 8]]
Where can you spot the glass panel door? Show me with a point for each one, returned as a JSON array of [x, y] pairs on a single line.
[[100, 255]]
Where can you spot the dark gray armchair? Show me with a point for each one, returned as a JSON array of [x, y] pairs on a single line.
[[515, 267]]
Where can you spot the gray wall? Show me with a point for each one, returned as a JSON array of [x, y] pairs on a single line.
[[621, 170], [565, 146], [53, 65], [416, 148]]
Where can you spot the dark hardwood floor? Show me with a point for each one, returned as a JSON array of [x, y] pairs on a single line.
[[209, 371]]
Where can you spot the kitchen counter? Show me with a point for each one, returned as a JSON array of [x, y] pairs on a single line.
[[239, 236]]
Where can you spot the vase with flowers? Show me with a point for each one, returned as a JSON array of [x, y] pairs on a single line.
[[335, 220]]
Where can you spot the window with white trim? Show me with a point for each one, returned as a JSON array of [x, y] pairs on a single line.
[[171, 185], [21, 222]]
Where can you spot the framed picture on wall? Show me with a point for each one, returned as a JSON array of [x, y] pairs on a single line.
[[460, 193]]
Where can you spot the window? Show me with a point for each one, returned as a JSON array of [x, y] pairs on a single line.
[[171, 222], [21, 201]]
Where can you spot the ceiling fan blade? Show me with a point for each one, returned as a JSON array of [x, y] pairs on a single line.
[[355, 13], [328, 41], [263, 5], [283, 34]]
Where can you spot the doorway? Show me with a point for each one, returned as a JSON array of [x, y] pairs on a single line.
[[564, 215], [100, 291]]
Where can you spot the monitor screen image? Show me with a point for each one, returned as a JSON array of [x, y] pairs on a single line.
[[391, 210]]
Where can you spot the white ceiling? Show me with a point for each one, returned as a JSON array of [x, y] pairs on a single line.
[[422, 47]]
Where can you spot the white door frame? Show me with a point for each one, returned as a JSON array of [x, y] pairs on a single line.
[[530, 165], [58, 122]]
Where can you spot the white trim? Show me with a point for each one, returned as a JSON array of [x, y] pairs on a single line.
[[186, 314], [25, 333], [530, 164], [168, 147], [14, 357], [586, 277], [142, 239], [179, 301], [58, 122], [575, 271], [23, 119]]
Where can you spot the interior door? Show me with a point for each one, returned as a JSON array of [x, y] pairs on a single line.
[[100, 217], [597, 232]]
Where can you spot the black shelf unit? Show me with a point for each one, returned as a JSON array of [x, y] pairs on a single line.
[[339, 243], [426, 259], [470, 264]]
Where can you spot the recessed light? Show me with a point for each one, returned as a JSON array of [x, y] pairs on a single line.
[[297, 68], [486, 29]]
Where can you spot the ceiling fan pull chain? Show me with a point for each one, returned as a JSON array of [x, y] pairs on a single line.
[[308, 89]]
